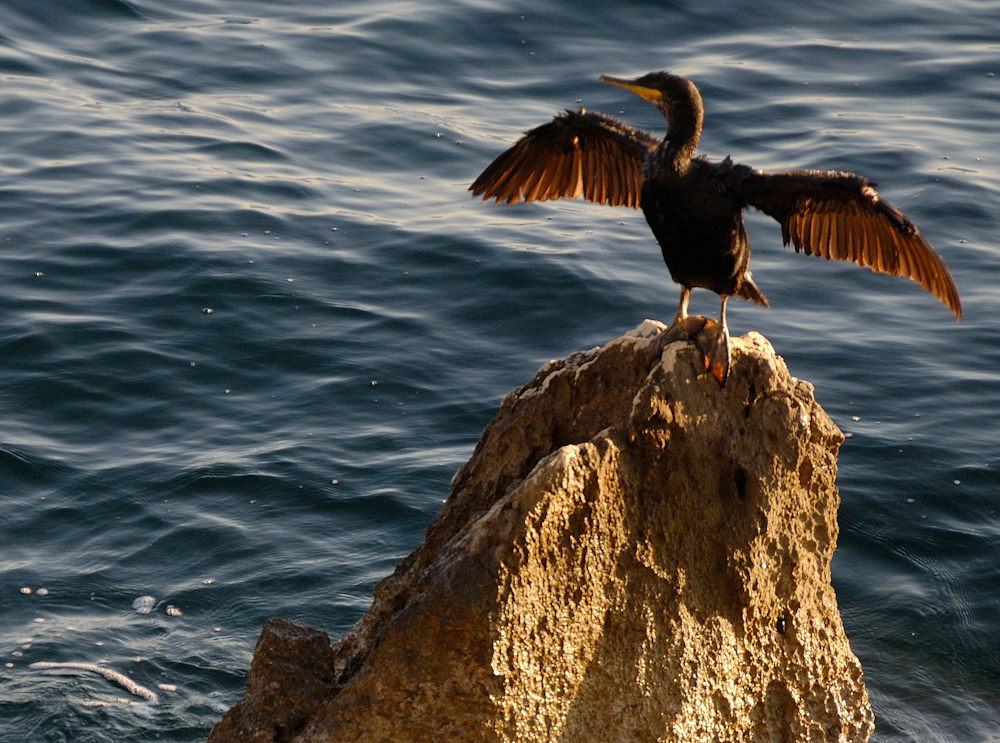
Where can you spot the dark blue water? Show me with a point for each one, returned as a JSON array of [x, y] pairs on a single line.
[[251, 321]]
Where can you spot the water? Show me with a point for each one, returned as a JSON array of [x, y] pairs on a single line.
[[252, 321]]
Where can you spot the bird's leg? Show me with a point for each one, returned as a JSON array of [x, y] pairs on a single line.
[[710, 336], [682, 308], [714, 344], [684, 327]]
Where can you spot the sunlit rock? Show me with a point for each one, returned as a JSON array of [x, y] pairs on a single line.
[[631, 554]]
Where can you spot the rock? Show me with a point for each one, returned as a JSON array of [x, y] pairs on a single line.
[[291, 676], [631, 554]]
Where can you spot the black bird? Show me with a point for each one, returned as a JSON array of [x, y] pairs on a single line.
[[695, 207]]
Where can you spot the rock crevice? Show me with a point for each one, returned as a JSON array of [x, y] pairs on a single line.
[[630, 554]]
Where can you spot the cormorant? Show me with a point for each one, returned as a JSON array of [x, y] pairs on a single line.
[[695, 207]]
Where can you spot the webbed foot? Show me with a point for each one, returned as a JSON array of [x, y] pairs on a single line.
[[713, 342], [708, 334]]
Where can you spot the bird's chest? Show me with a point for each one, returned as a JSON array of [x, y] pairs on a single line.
[[691, 202], [699, 228]]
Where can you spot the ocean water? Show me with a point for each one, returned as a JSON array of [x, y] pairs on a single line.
[[251, 321]]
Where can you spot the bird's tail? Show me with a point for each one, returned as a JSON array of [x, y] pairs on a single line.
[[749, 290]]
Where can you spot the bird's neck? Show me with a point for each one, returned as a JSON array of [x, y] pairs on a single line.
[[684, 129]]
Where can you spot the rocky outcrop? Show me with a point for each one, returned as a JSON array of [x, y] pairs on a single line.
[[631, 554]]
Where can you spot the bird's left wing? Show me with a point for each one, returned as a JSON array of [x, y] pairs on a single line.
[[576, 154], [841, 216]]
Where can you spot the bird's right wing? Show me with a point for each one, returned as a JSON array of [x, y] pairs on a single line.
[[841, 216], [577, 154]]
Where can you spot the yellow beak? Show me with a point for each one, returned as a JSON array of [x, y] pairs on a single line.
[[650, 94]]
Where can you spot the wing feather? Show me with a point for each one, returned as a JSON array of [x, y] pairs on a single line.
[[577, 153], [841, 216]]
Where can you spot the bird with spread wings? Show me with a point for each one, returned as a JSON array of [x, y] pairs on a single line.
[[695, 207]]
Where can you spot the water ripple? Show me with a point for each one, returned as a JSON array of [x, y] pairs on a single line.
[[254, 321]]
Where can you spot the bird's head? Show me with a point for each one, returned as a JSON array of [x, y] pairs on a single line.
[[662, 89], [676, 97]]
